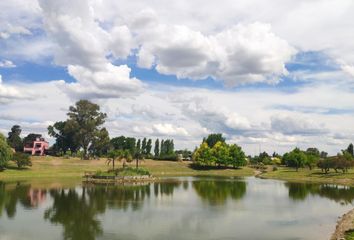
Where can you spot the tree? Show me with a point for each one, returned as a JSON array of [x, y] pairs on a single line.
[[138, 146], [237, 156], [5, 152], [138, 156], [162, 148], [157, 148], [85, 119], [30, 138], [64, 137], [350, 149], [14, 139], [312, 157], [323, 154], [220, 151], [118, 143], [203, 155], [143, 146], [130, 145], [113, 155], [212, 139], [100, 144], [296, 158], [21, 159], [148, 147]]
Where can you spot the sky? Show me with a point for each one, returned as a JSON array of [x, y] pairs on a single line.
[[270, 75]]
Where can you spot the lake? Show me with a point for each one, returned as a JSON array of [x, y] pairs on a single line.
[[177, 208]]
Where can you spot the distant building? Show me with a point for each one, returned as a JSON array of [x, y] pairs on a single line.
[[37, 147]]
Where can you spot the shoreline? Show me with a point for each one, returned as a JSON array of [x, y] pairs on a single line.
[[344, 224]]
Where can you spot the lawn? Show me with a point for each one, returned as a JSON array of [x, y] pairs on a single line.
[[73, 168], [315, 175]]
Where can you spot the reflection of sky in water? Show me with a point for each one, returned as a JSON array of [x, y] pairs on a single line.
[[189, 208]]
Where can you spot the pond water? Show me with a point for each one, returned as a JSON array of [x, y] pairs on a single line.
[[177, 208]]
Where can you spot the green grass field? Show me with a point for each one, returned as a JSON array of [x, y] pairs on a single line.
[[47, 168], [61, 169], [315, 176]]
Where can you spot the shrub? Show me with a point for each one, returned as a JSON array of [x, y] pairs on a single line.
[[5, 152], [21, 159]]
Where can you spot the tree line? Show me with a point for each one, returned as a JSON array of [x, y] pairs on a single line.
[[311, 158]]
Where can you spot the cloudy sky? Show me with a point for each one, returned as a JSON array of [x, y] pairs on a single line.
[[269, 75]]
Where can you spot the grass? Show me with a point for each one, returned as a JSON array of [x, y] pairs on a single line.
[[349, 235], [314, 176], [64, 169], [57, 169]]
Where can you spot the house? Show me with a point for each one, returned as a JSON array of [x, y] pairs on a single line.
[[37, 147]]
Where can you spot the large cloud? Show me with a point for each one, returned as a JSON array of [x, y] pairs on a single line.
[[244, 53], [82, 45]]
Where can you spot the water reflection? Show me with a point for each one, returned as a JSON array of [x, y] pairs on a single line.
[[165, 188], [13, 194], [173, 209], [300, 191], [217, 192]]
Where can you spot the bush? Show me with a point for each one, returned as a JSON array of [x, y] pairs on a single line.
[[128, 171], [5, 152], [21, 159], [275, 168]]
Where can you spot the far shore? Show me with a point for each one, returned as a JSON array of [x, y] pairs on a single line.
[[71, 169]]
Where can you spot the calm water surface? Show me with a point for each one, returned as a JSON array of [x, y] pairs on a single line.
[[179, 208]]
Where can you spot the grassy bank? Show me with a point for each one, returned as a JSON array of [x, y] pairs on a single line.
[[47, 168], [314, 176]]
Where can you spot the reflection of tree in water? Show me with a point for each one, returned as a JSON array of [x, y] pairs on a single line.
[[13, 194], [165, 188], [77, 210], [120, 197], [300, 191], [217, 192]]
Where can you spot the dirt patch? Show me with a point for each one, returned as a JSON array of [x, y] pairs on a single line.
[[345, 223]]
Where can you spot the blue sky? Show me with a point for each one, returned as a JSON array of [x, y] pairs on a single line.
[[280, 79]]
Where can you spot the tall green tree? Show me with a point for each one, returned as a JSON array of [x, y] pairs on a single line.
[[14, 139], [118, 143], [64, 137], [296, 159], [157, 148], [162, 148], [148, 147], [313, 155], [138, 146], [30, 138], [5, 152], [143, 146], [350, 149], [100, 144], [237, 156], [86, 119], [220, 152], [203, 155], [212, 139], [130, 144]]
